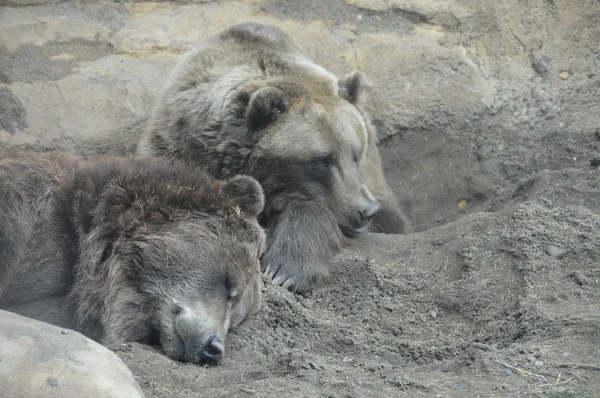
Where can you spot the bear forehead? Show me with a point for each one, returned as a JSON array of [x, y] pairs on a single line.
[[193, 247], [349, 127], [320, 129]]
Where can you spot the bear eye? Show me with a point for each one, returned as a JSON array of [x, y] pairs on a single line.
[[231, 291], [324, 162]]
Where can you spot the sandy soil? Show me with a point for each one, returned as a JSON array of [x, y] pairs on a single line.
[[487, 114], [500, 303]]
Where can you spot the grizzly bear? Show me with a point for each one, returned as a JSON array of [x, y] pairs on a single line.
[[247, 101], [130, 249]]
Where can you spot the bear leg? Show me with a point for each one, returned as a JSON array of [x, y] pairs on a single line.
[[301, 242]]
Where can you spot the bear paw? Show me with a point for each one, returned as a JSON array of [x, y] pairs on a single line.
[[294, 276]]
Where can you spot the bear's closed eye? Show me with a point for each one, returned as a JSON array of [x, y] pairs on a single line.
[[325, 162]]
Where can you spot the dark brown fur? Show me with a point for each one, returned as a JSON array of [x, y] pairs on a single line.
[[248, 101], [130, 249]]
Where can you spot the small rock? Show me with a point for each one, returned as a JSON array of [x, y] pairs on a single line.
[[554, 251], [433, 314], [541, 65], [595, 162], [52, 382], [393, 359], [564, 75], [64, 331], [532, 358], [507, 372]]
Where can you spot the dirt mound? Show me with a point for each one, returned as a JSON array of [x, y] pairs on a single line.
[[447, 311]]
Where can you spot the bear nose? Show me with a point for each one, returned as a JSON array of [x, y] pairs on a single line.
[[212, 350], [371, 208]]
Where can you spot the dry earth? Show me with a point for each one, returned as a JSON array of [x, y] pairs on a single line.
[[488, 113]]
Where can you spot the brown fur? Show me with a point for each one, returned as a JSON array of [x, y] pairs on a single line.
[[248, 101], [130, 249]]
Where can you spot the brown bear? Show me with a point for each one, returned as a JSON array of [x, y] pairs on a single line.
[[125, 249], [247, 101]]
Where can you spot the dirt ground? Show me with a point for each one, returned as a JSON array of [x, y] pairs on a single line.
[[488, 117]]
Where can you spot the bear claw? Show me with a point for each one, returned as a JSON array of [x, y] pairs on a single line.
[[280, 280], [290, 283]]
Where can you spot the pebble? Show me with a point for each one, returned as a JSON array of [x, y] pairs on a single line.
[[433, 314], [532, 358], [52, 382], [554, 251], [564, 75], [507, 372], [64, 331]]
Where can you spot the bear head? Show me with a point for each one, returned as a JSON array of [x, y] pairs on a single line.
[[310, 141], [180, 262]]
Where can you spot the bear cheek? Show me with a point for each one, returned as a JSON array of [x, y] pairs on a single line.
[[171, 344], [248, 304]]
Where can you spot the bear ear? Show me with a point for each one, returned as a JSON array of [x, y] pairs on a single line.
[[265, 106], [247, 193], [352, 85], [116, 201], [113, 203]]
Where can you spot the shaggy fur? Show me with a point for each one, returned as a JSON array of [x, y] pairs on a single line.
[[130, 249], [248, 101]]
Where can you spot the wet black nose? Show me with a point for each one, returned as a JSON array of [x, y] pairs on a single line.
[[212, 350], [371, 208]]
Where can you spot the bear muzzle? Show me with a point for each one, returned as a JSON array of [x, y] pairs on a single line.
[[369, 210], [212, 350], [198, 342], [202, 350], [361, 219]]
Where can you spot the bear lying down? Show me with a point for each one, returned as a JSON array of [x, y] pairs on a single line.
[[130, 250], [248, 101]]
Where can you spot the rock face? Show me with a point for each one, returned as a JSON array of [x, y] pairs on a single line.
[[41, 360]]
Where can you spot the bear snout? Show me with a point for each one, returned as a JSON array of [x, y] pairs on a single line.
[[202, 350], [369, 210], [358, 221], [212, 351], [198, 344]]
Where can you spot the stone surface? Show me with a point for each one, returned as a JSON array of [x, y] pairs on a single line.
[[480, 83], [40, 360]]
